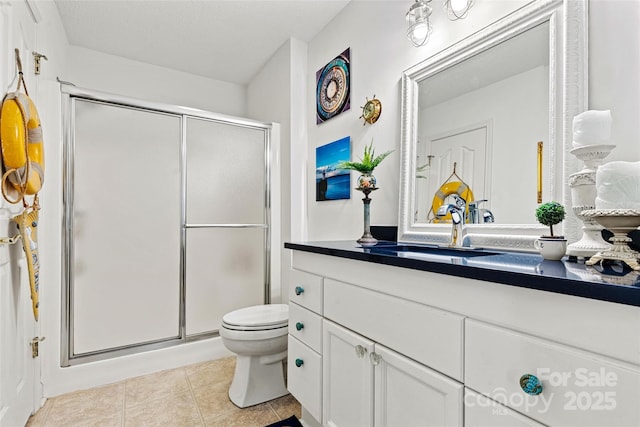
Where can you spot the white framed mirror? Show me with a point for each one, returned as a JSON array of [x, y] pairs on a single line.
[[476, 112]]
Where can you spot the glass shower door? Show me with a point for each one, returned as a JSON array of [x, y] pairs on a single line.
[[124, 227], [227, 220], [166, 223]]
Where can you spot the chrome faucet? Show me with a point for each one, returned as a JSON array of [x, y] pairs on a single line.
[[457, 219], [479, 215], [487, 216]]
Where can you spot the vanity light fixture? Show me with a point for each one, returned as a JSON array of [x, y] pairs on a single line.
[[418, 16], [457, 9], [419, 25]]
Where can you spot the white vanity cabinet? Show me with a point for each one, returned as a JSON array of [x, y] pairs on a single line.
[[380, 356], [366, 384], [403, 347]]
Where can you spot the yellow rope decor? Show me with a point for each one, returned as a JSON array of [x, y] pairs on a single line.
[[448, 188], [27, 226], [22, 150]]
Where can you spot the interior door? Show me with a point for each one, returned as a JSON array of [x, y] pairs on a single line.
[[466, 148], [20, 390]]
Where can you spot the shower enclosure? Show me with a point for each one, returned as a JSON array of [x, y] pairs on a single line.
[[166, 223]]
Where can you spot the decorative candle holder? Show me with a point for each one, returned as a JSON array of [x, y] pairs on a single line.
[[367, 238], [583, 195], [620, 222]]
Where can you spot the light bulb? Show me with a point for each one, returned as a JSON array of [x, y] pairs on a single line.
[[420, 31], [418, 17], [458, 5]]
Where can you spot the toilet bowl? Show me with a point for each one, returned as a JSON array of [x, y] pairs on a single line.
[[258, 337]]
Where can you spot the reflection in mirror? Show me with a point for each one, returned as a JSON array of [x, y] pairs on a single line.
[[483, 105], [493, 147]]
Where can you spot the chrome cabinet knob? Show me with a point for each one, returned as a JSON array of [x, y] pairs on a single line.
[[360, 351], [375, 358], [299, 326], [299, 362], [299, 290], [531, 384]]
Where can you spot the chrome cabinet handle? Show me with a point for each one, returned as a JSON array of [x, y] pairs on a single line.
[[299, 362], [360, 351], [299, 326], [375, 358], [531, 384], [299, 290]]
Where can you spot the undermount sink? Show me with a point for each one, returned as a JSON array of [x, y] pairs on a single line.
[[434, 250]]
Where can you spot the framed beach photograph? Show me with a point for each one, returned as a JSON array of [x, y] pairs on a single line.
[[333, 183]]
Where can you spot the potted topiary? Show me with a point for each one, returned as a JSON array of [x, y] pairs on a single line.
[[551, 247]]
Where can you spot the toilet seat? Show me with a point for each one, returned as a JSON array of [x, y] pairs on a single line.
[[257, 318]]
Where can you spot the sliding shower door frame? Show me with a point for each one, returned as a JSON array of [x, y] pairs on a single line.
[[70, 94]]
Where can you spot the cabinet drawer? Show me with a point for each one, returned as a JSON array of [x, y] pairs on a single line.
[[430, 336], [306, 326], [306, 290], [578, 388], [305, 381]]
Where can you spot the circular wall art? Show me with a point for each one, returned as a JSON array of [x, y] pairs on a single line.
[[333, 88]]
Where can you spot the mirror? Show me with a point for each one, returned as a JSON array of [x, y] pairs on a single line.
[[511, 82], [475, 113]]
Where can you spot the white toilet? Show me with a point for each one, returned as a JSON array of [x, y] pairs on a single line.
[[258, 336]]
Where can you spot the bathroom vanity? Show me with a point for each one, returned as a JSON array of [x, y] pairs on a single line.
[[413, 335], [407, 335]]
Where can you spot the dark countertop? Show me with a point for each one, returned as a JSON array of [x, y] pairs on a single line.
[[611, 283]]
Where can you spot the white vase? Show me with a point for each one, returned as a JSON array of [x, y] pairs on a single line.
[[551, 248]]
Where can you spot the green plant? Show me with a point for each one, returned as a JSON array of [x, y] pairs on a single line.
[[550, 213], [367, 163]]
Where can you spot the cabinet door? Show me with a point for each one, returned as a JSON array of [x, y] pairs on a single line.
[[480, 411], [410, 394], [347, 377]]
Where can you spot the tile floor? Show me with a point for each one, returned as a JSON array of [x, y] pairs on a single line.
[[194, 395]]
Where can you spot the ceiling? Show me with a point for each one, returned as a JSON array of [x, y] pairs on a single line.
[[227, 40]]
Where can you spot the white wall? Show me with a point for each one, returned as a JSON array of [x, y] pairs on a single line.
[[261, 94], [614, 71], [375, 31], [380, 51], [89, 69], [271, 101]]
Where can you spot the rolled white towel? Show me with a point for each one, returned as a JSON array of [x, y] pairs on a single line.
[[592, 127], [618, 185]]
